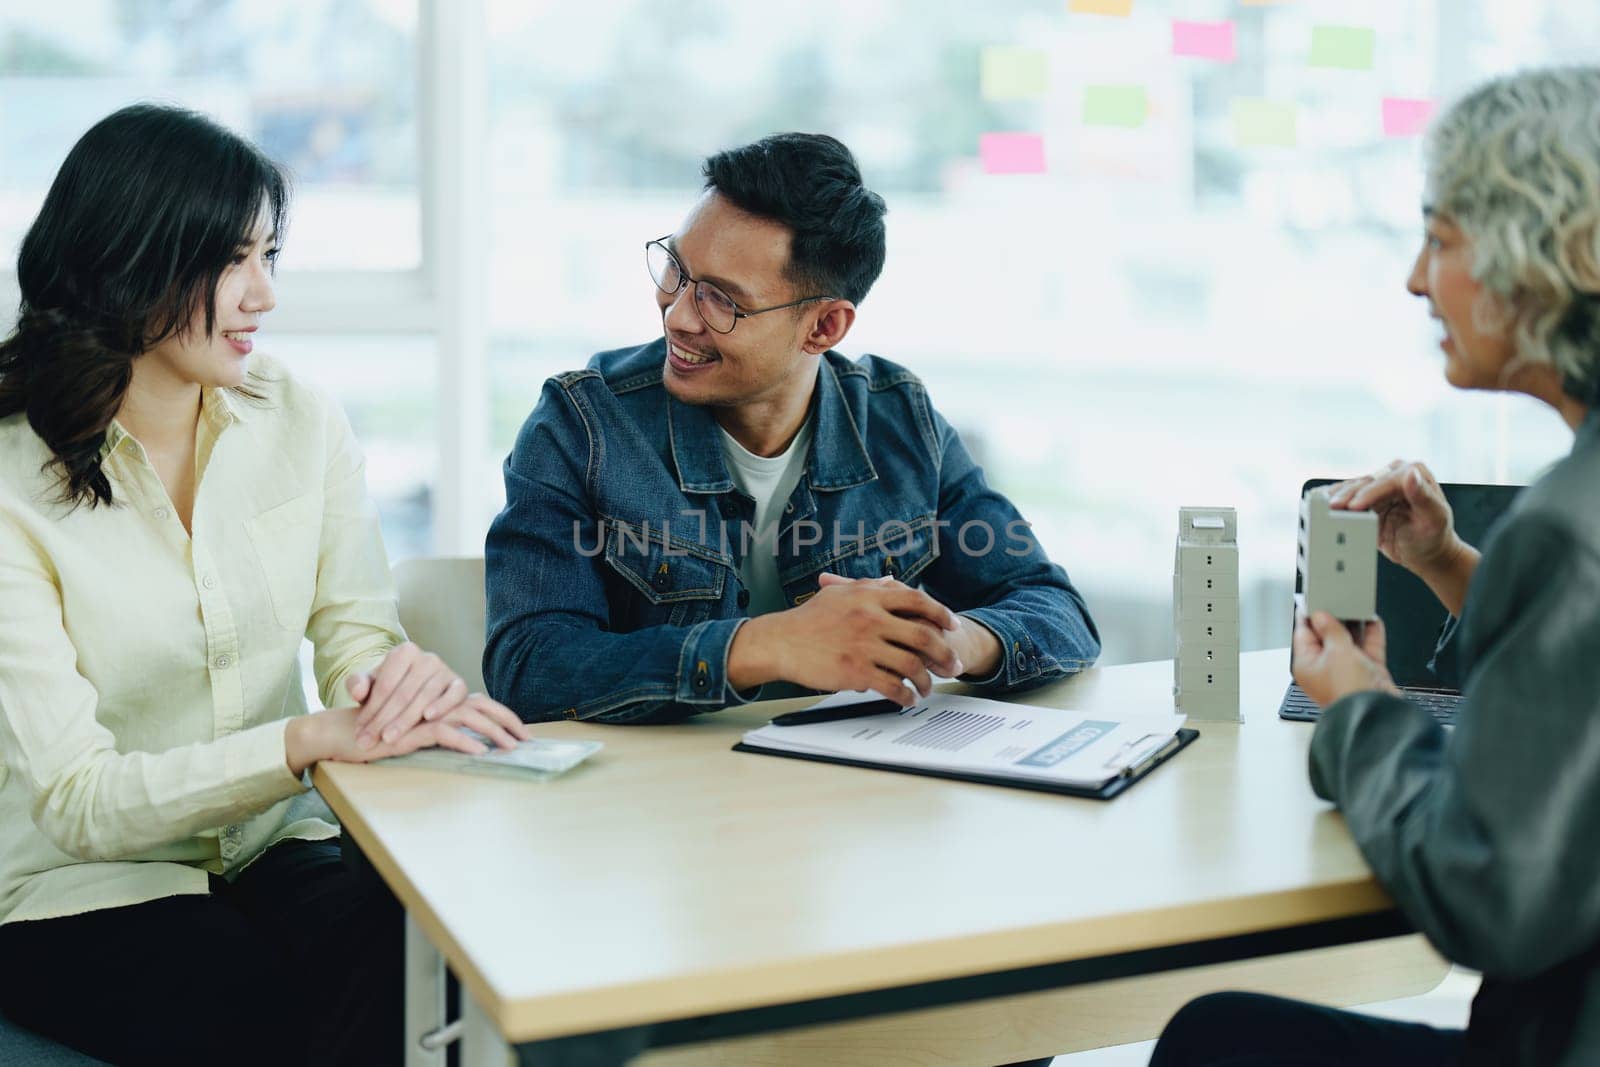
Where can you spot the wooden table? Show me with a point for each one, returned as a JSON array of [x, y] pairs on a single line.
[[805, 911]]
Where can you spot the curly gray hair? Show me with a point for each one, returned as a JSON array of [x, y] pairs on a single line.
[[1516, 164]]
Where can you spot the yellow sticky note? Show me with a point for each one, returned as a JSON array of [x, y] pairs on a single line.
[[1014, 74], [1119, 8], [1264, 123]]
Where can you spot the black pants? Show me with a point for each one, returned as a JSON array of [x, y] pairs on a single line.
[[1250, 1030], [300, 961]]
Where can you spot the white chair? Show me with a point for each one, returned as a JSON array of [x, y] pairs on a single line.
[[442, 609]]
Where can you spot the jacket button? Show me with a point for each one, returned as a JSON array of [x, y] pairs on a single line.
[[662, 579], [744, 598], [890, 566]]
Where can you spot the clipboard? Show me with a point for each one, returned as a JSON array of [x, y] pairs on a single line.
[[1124, 780]]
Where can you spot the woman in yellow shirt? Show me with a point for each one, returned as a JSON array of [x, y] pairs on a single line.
[[176, 514]]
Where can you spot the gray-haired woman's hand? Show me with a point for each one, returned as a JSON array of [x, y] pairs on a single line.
[[1416, 528]]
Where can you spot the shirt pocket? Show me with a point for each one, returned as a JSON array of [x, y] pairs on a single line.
[[899, 548], [285, 539], [667, 582]]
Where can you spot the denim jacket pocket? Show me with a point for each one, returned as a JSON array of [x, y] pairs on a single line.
[[899, 548], [672, 581], [286, 539]]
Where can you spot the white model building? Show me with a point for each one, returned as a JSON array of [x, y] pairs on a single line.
[[1205, 611], [1337, 560]]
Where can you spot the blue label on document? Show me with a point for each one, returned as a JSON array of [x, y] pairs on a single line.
[[1073, 741]]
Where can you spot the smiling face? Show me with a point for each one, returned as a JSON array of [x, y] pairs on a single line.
[[1442, 273], [764, 356], [243, 294]]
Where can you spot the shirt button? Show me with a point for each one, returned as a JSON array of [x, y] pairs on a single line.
[[209, 582], [161, 513], [223, 663]]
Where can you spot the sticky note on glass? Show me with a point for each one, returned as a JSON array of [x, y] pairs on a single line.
[[1115, 105], [1011, 153], [1343, 47], [1119, 8], [1014, 74], [1406, 118], [1264, 123], [1204, 40]]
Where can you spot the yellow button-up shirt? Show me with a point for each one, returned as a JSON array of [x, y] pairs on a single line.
[[147, 676]]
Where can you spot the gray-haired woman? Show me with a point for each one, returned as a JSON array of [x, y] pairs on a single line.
[[1487, 838]]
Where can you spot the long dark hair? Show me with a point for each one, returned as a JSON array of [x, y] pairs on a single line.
[[148, 210]]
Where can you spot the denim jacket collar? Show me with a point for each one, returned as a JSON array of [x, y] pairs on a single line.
[[838, 457]]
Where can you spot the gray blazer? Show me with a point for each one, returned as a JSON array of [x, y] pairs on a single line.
[[1489, 840]]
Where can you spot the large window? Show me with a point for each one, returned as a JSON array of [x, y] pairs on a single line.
[[1199, 301], [1172, 313], [326, 87], [329, 89]]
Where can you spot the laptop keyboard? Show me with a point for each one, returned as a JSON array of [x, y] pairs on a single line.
[[1442, 706]]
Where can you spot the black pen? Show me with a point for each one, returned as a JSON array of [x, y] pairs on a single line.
[[835, 714]]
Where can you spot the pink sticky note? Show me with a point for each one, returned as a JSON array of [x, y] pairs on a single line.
[[1204, 40], [1011, 153], [1406, 118]]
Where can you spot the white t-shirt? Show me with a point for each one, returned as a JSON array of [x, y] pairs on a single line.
[[769, 481]]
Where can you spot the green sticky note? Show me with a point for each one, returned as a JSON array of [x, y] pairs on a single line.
[[1014, 74], [1343, 47], [1264, 123], [1115, 105]]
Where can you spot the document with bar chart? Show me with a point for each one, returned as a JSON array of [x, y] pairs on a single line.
[[1083, 753]]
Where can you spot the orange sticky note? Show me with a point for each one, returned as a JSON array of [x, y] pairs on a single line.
[[1118, 8]]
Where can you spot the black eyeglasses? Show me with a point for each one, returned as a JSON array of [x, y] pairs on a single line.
[[717, 309]]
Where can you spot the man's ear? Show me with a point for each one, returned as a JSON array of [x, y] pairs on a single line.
[[829, 326]]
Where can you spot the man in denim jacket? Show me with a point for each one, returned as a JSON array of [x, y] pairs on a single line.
[[735, 510]]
